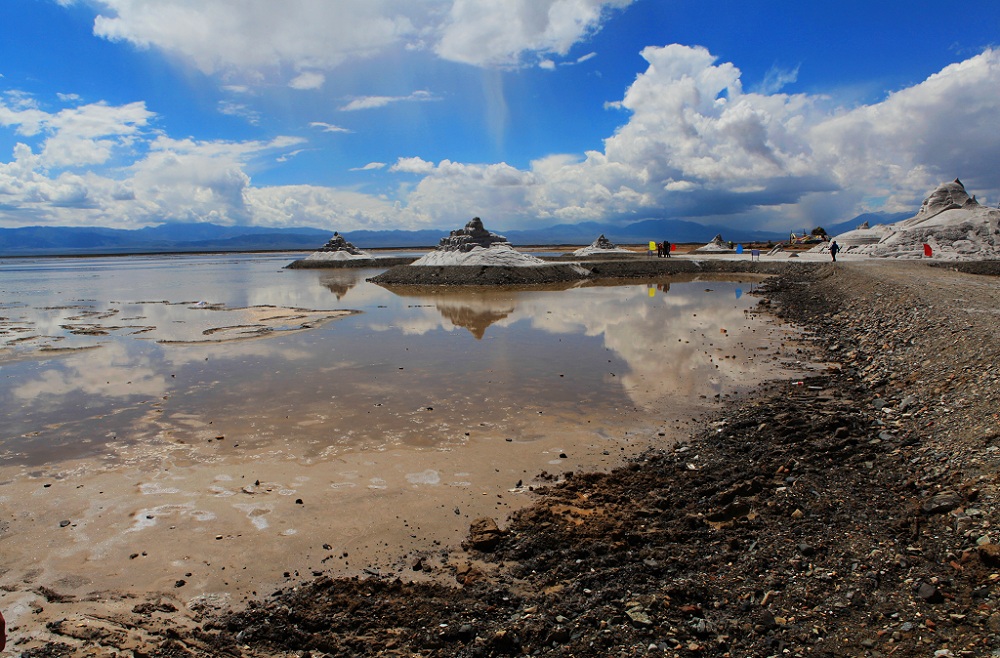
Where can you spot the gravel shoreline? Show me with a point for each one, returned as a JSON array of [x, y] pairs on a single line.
[[853, 513]]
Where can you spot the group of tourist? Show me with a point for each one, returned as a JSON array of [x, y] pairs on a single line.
[[663, 249]]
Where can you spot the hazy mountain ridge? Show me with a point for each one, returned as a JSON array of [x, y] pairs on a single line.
[[192, 237]]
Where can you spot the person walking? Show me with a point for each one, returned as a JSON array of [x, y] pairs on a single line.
[[834, 248]]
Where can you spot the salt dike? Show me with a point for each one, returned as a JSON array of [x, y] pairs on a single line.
[[953, 224]]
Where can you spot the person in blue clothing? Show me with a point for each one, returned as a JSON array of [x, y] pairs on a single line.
[[834, 248]]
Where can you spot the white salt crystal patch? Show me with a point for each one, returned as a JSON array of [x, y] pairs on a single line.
[[289, 532], [147, 518], [377, 483], [343, 485], [151, 488], [429, 476], [257, 514]]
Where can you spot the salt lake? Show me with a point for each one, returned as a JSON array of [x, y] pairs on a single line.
[[227, 418]]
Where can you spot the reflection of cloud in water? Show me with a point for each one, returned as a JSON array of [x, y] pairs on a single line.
[[672, 339], [110, 373], [671, 352]]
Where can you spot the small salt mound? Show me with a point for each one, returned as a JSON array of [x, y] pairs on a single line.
[[601, 246], [717, 245], [499, 254], [338, 249]]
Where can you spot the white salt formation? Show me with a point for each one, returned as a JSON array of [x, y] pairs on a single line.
[[337, 248], [954, 225], [600, 247], [474, 245], [715, 246]]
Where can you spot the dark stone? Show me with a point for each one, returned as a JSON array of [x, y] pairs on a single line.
[[929, 593], [943, 502], [484, 535]]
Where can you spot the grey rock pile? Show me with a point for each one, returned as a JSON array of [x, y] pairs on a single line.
[[473, 235], [340, 244]]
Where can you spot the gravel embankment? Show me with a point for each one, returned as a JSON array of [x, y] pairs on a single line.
[[555, 273]]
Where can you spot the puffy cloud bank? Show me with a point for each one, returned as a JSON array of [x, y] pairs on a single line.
[[259, 37], [692, 142], [696, 145]]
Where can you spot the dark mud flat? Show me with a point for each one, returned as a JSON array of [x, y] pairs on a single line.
[[853, 513]]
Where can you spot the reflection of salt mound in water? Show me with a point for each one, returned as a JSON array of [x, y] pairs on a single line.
[[716, 245], [952, 223], [476, 315], [338, 249], [601, 246], [340, 281], [474, 245]]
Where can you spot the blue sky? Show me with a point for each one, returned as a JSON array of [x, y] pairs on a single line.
[[351, 114]]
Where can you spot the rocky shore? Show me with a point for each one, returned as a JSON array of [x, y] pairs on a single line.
[[850, 513]]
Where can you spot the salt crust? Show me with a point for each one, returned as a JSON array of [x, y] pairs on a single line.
[[600, 251], [497, 255]]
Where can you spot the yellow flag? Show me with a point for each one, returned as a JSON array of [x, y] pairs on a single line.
[[652, 246]]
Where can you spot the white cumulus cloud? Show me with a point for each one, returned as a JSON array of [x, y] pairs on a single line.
[[262, 36], [307, 80], [500, 32], [693, 143]]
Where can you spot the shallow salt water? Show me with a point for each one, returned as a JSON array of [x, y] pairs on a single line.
[[225, 422], [99, 355]]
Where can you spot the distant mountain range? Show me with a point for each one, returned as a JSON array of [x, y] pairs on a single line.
[[203, 237]]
